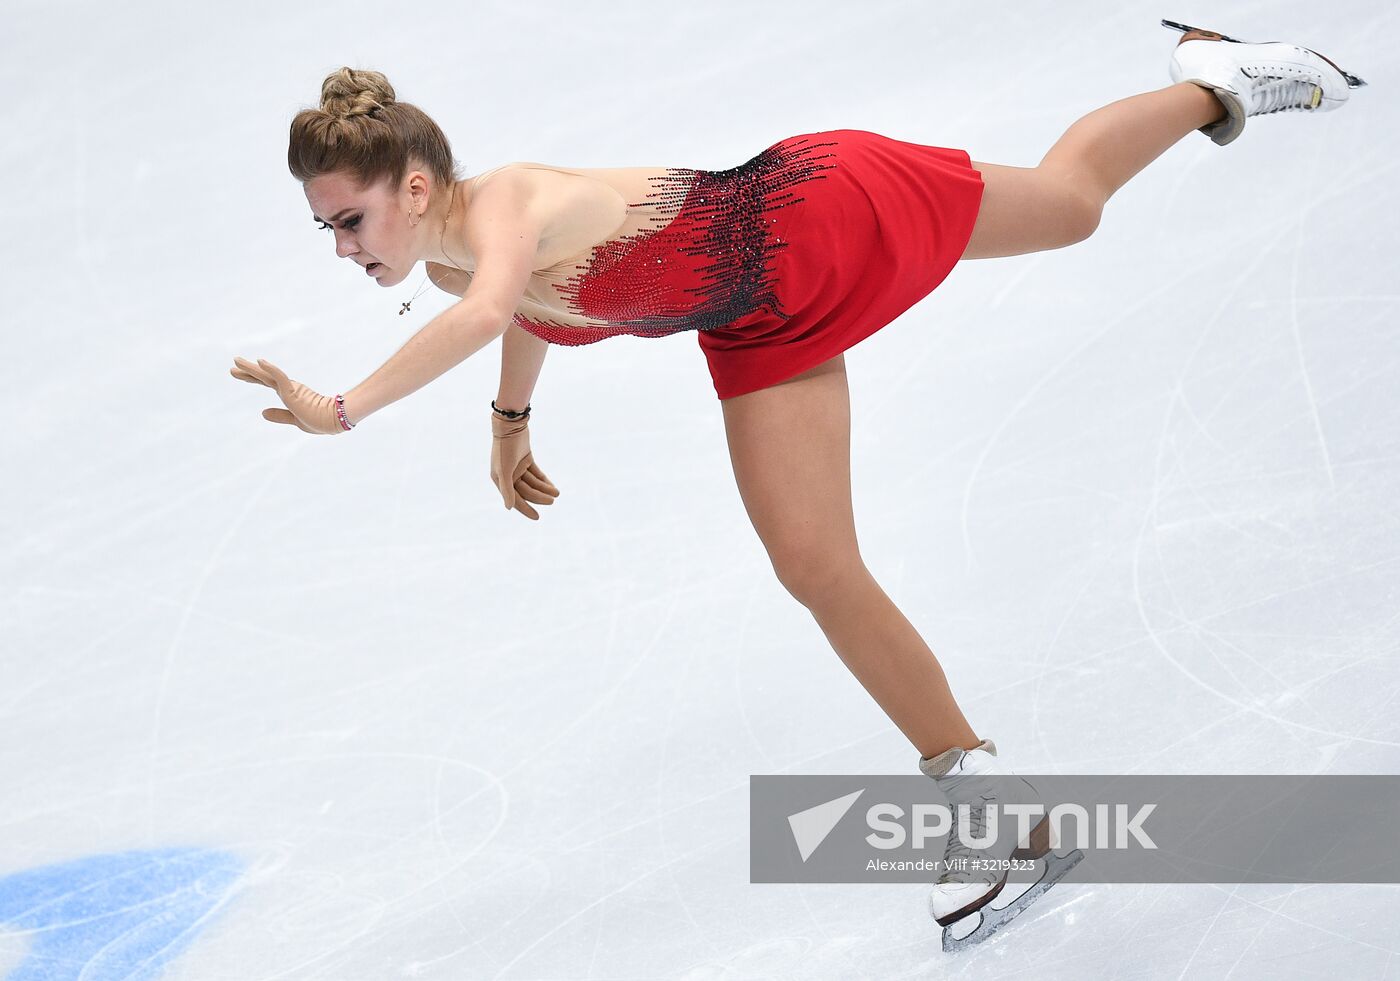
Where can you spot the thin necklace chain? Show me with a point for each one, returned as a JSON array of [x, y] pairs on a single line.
[[403, 309]]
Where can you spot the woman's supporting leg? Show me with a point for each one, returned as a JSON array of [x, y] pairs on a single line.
[[1059, 202], [790, 445]]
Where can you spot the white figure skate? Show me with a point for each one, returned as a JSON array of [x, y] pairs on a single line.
[[1254, 79], [964, 900]]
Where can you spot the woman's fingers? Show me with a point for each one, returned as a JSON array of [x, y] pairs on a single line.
[[527, 483], [532, 487], [295, 397], [279, 377], [283, 416], [538, 480], [536, 475], [249, 372], [290, 419], [524, 492], [264, 373]]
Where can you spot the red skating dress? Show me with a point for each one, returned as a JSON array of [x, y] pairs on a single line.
[[777, 264]]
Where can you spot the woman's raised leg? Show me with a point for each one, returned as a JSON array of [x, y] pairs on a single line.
[[1059, 202], [790, 445]]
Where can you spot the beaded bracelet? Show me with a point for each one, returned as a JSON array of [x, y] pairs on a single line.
[[345, 423], [512, 413]]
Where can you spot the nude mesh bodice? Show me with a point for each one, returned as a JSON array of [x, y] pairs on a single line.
[[695, 249]]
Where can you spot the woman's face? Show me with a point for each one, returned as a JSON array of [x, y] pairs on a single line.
[[370, 226]]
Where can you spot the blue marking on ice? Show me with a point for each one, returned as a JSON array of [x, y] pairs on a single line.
[[109, 917]]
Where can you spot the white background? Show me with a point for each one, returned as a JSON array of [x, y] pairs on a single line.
[[1139, 495]]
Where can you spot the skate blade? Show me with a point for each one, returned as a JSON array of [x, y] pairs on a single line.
[[1184, 28], [1352, 81], [976, 928]]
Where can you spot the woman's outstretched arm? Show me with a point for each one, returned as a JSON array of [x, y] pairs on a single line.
[[448, 339], [502, 229], [444, 342]]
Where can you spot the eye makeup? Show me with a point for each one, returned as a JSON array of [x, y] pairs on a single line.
[[349, 223]]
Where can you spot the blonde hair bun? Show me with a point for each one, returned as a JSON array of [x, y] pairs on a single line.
[[355, 92]]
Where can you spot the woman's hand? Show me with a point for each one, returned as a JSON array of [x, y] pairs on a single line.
[[513, 469], [305, 409]]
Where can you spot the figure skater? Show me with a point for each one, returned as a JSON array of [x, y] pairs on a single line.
[[778, 265]]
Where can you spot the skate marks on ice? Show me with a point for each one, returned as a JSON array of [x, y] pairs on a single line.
[[1007, 903], [125, 915]]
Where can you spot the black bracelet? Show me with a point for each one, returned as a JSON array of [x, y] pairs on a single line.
[[512, 413]]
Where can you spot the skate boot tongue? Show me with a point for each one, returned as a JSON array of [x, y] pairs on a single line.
[[1282, 95]]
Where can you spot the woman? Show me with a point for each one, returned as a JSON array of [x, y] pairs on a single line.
[[779, 265]]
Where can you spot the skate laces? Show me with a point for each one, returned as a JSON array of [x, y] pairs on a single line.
[[958, 849], [972, 794], [1274, 94]]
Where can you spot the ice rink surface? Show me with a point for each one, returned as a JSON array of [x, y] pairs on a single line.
[[283, 707]]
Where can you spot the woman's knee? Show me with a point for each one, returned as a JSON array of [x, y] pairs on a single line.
[[1077, 205], [1085, 210], [790, 446], [1071, 210], [812, 577]]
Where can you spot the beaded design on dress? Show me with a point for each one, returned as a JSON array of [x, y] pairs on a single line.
[[709, 262]]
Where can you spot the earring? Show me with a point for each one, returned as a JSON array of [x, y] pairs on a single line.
[[414, 223]]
